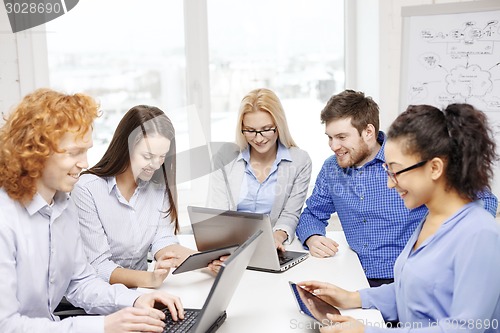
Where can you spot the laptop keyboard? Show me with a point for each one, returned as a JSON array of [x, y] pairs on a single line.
[[180, 325], [283, 258]]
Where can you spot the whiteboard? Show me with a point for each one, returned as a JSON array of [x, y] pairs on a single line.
[[451, 54]]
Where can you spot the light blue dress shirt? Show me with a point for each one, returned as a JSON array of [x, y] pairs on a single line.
[[256, 197], [42, 260], [451, 283], [117, 232]]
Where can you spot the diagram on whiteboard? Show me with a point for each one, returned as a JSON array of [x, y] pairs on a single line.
[[452, 55], [455, 59]]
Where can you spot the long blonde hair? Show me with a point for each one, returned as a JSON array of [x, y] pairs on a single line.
[[263, 99]]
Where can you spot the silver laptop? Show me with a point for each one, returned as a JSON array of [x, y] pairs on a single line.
[[215, 228], [213, 313]]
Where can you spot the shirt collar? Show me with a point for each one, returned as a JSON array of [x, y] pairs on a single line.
[[283, 153], [37, 203], [382, 139], [112, 183]]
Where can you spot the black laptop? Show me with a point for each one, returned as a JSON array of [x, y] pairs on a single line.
[[213, 313]]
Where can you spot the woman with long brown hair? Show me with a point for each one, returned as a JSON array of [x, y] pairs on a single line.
[[127, 202]]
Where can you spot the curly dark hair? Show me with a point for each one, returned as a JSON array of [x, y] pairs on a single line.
[[460, 134]]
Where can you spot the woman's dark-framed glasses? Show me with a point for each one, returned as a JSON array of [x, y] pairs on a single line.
[[392, 175], [252, 134]]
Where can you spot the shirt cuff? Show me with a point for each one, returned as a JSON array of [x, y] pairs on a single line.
[[366, 301], [105, 269], [290, 233], [127, 297], [304, 232]]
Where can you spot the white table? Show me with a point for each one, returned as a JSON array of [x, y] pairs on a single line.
[[263, 301]]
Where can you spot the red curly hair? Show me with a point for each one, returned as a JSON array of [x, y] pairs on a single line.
[[32, 133]]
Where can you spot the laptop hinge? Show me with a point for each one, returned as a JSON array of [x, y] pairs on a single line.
[[215, 326]]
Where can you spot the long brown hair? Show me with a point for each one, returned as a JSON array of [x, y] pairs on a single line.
[[139, 122]]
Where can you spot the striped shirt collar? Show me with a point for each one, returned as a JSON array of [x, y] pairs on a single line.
[[37, 203], [112, 183]]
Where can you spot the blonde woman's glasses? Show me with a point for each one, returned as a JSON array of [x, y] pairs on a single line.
[[266, 133]]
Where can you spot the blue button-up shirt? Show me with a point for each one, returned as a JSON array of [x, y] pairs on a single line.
[[375, 221], [256, 197]]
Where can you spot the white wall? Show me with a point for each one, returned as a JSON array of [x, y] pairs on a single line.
[[362, 47], [23, 62], [9, 73]]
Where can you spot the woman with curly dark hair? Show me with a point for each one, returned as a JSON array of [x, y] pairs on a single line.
[[446, 278]]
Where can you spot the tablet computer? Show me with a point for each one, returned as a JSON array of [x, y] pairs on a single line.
[[311, 305], [202, 259]]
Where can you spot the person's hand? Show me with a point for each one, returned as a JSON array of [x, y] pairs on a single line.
[[181, 252], [332, 294], [214, 266], [163, 265], [321, 246], [173, 303], [342, 324], [134, 320], [279, 237]]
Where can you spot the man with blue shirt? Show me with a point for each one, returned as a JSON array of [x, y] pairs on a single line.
[[353, 184]]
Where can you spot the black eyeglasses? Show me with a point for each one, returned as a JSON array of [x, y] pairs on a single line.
[[252, 134], [392, 175]]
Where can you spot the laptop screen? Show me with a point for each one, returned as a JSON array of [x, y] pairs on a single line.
[[226, 282], [215, 228]]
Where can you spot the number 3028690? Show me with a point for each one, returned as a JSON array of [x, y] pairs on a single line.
[[33, 8]]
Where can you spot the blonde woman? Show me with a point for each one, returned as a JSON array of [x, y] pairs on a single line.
[[270, 174]]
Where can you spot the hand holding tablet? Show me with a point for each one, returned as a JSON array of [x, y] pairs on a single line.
[[311, 305], [202, 259]]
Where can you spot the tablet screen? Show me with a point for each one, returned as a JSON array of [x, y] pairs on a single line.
[[202, 259], [311, 305]]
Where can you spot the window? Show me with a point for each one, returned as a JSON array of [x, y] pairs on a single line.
[[130, 52], [295, 48], [123, 53]]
